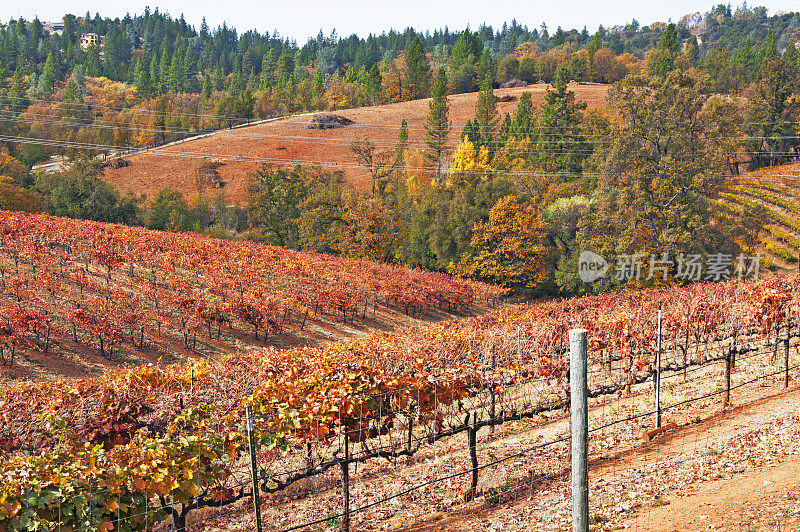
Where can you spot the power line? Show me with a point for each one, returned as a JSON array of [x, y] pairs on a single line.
[[165, 152]]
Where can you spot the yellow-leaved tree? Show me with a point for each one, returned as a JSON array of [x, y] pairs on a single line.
[[468, 163], [510, 248]]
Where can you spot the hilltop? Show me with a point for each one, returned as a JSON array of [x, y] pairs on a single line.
[[289, 141]]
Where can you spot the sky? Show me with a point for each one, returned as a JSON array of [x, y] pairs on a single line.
[[304, 19]]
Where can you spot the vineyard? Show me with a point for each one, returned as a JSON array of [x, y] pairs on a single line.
[[381, 430], [774, 192], [128, 295]]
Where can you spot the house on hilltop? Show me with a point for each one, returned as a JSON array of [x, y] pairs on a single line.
[[91, 39]]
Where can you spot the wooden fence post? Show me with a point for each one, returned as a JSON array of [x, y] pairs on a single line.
[[472, 438], [657, 376], [345, 465], [579, 418], [253, 467], [686, 350], [727, 397], [786, 360]]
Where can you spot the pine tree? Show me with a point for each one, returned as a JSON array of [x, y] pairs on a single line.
[[50, 74], [401, 148], [17, 91], [769, 49], [667, 50], [505, 130], [485, 67], [470, 132], [155, 80], [437, 125], [189, 71], [71, 92], [206, 86], [163, 71], [417, 70], [468, 47], [486, 116], [141, 77], [33, 85], [669, 40], [523, 122], [561, 146], [175, 84], [372, 84]]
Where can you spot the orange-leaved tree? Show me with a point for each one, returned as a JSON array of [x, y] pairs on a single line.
[[510, 248]]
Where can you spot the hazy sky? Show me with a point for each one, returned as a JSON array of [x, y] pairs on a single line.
[[301, 20]]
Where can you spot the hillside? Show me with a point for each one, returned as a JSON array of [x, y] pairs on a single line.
[[78, 297], [289, 141], [776, 190], [399, 414]]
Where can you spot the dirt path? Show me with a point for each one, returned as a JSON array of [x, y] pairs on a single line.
[[733, 504], [730, 503], [767, 496], [693, 436]]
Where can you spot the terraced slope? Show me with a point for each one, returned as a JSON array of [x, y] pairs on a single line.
[[777, 191]]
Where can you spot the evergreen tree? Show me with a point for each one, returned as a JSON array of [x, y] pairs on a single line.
[[667, 50], [769, 49], [141, 77], [669, 40], [155, 80], [189, 71], [372, 84], [524, 121], [71, 92], [773, 115], [163, 71], [561, 146], [437, 125], [486, 116], [505, 130], [468, 48], [175, 83], [17, 91], [417, 70], [485, 67], [401, 148], [206, 86], [33, 85], [50, 74], [470, 131]]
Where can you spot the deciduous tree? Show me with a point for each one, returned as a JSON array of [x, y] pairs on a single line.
[[510, 248]]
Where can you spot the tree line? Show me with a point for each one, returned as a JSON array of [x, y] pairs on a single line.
[[511, 199], [156, 78]]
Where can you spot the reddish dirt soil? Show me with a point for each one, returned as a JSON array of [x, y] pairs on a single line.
[[765, 497], [289, 141], [746, 501]]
